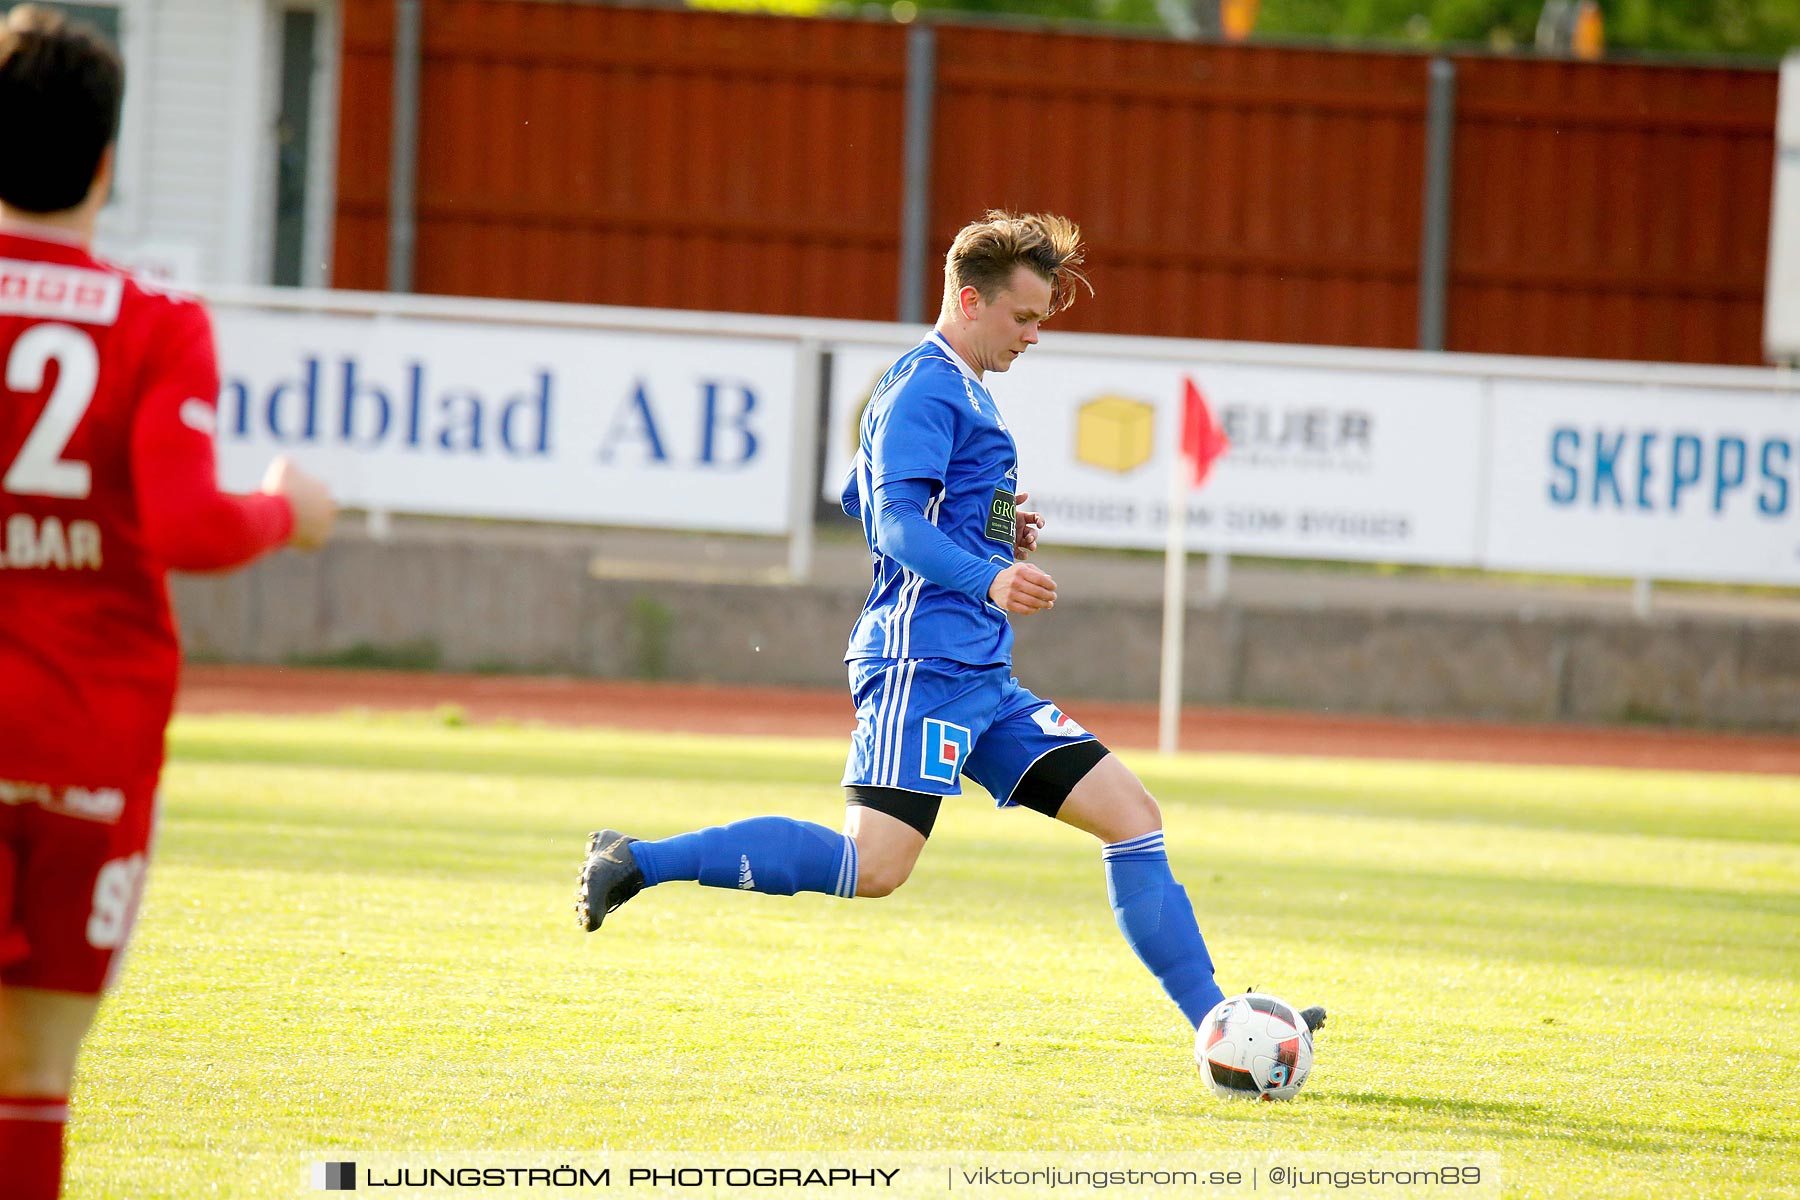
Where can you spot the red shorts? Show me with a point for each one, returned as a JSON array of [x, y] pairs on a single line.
[[72, 866]]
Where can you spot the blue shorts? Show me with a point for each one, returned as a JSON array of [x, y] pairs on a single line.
[[924, 723]]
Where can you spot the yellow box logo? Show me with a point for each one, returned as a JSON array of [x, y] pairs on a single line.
[[1114, 433]]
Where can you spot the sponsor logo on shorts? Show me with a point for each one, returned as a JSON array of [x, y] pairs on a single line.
[[105, 805], [946, 745], [1057, 723]]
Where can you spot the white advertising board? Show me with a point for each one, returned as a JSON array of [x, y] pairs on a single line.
[[1612, 479], [486, 420], [1323, 463], [1516, 464]]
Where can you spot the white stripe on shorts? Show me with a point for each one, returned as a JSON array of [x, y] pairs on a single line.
[[899, 725], [878, 728]]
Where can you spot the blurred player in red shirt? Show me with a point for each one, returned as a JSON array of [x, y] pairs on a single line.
[[107, 480]]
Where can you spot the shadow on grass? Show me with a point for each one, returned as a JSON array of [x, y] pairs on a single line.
[[1502, 1119], [1503, 1109]]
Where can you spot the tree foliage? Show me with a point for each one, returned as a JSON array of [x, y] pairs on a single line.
[[1749, 27]]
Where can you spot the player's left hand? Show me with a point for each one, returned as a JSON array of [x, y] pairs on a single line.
[[1028, 523], [314, 509]]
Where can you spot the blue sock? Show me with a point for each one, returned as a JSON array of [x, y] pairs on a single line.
[[1158, 922], [775, 855]]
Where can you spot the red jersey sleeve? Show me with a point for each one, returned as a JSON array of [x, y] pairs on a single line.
[[188, 523]]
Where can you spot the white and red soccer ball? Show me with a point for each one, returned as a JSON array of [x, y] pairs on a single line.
[[1254, 1047]]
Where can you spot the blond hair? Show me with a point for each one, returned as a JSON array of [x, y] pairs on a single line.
[[986, 253]]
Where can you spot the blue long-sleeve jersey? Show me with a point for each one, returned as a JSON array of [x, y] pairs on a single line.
[[932, 437]]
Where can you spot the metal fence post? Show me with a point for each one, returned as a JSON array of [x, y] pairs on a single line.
[[803, 479], [403, 150], [915, 178], [1208, 19], [1434, 249]]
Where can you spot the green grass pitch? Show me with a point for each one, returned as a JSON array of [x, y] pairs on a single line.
[[358, 935]]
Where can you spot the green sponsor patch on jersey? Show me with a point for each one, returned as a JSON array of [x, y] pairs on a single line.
[[1002, 522]]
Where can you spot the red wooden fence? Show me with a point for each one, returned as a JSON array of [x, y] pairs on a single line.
[[658, 157]]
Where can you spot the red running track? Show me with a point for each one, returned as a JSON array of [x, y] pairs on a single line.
[[789, 712]]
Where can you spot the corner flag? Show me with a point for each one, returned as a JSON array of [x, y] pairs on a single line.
[[1202, 441]]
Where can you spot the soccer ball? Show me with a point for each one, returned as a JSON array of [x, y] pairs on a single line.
[[1254, 1046]]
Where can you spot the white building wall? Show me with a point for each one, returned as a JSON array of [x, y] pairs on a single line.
[[197, 157]]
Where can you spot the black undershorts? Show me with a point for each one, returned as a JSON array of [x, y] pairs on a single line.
[[1043, 789]]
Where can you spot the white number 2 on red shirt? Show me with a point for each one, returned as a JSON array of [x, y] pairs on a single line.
[[40, 469]]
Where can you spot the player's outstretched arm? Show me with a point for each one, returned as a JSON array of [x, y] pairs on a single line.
[[187, 522]]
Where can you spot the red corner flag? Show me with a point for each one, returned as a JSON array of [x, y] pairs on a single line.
[[1202, 441]]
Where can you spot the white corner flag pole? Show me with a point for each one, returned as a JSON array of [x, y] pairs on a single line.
[[1168, 714]]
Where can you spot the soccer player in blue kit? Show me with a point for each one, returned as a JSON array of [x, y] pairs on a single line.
[[930, 657]]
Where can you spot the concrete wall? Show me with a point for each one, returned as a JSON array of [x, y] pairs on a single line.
[[536, 606]]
